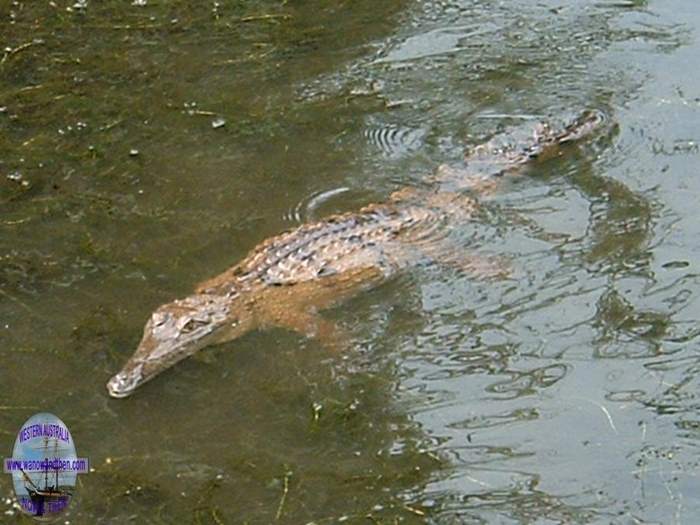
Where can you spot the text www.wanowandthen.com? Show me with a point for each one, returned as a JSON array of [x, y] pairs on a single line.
[[78, 465]]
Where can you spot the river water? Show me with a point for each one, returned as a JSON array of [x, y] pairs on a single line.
[[147, 146]]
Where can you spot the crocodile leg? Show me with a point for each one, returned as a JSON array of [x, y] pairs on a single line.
[[446, 254], [311, 324], [296, 307], [479, 266]]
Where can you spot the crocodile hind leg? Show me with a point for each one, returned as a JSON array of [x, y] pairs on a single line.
[[479, 266]]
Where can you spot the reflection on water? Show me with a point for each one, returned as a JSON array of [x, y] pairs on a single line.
[[147, 146]]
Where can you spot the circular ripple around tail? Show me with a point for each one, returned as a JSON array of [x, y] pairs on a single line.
[[305, 210], [395, 141]]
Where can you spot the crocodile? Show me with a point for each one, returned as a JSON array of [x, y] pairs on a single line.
[[287, 279]]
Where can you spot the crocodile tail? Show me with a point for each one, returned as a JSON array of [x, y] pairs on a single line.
[[510, 149], [587, 123], [507, 152]]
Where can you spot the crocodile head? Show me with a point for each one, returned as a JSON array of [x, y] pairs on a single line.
[[175, 331]]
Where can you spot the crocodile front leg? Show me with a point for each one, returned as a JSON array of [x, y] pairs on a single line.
[[311, 324], [296, 307]]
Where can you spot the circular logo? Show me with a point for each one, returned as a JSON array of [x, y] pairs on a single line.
[[44, 466]]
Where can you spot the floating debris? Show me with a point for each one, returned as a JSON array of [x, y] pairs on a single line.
[[16, 176], [672, 265], [191, 109], [133, 152], [316, 409], [139, 3], [218, 123]]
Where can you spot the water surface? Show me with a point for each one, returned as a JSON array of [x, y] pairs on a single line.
[[144, 148]]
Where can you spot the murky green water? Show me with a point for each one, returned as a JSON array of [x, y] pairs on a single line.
[[566, 394]]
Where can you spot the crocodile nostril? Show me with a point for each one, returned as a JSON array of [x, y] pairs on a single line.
[[123, 384], [115, 386]]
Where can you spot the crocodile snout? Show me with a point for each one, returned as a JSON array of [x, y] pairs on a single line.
[[124, 383]]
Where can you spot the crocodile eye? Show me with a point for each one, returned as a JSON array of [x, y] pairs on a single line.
[[192, 324]]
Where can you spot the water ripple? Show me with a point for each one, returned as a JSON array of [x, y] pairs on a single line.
[[306, 209], [395, 141]]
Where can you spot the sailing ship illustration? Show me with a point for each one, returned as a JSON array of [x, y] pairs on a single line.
[[51, 498]]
